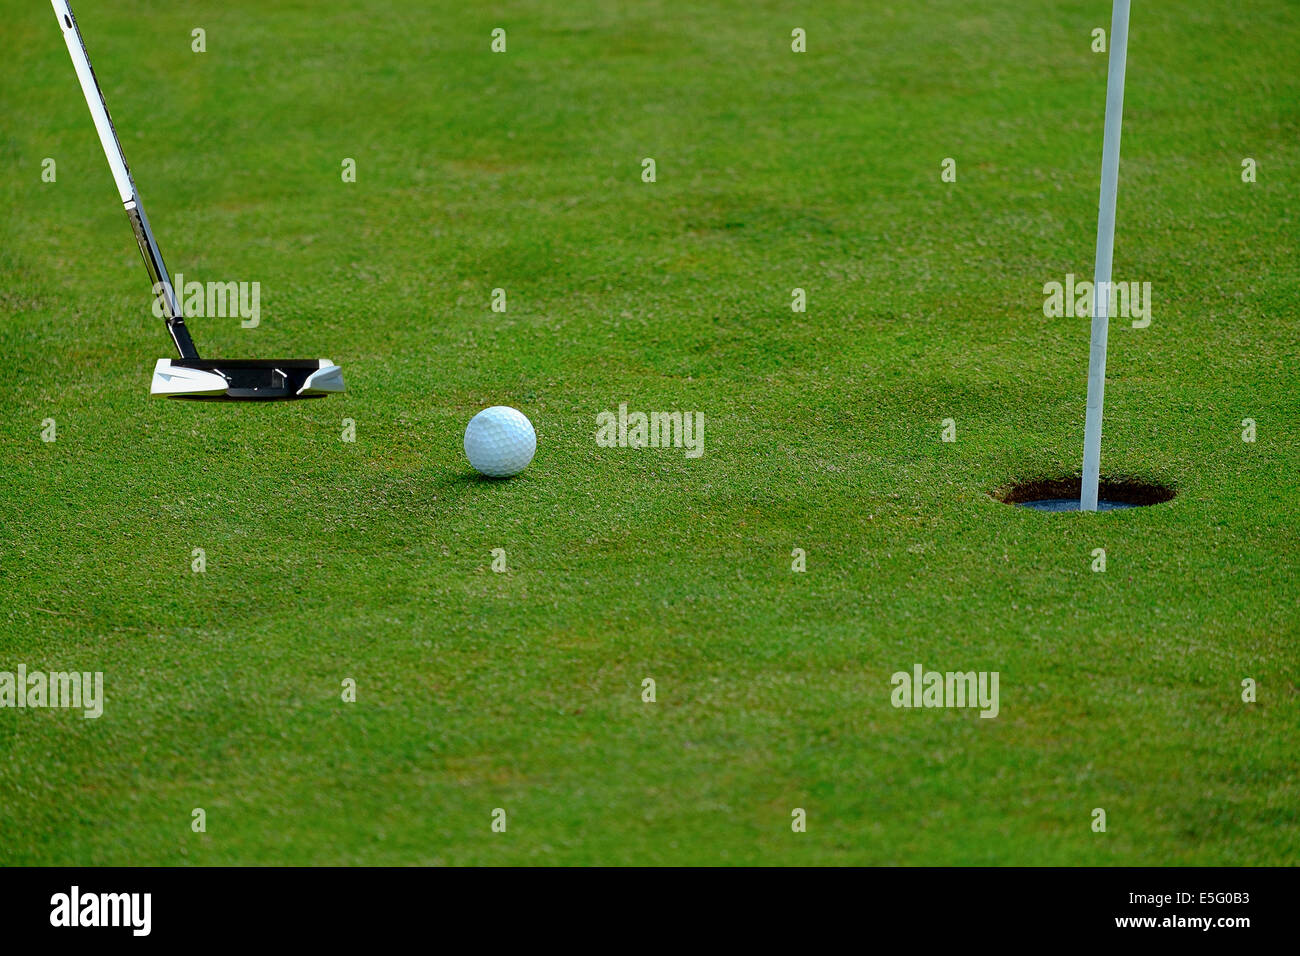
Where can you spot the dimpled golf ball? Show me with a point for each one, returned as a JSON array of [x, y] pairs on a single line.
[[500, 441]]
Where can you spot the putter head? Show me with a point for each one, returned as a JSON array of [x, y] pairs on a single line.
[[246, 380]]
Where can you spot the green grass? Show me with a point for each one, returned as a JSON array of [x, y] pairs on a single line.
[[477, 690]]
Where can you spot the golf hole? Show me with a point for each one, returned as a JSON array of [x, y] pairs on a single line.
[[1062, 494]]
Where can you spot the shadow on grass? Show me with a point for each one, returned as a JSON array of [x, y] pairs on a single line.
[[470, 479]]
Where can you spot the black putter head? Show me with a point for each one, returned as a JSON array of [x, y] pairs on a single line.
[[246, 380]]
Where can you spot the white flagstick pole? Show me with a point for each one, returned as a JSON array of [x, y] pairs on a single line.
[[1105, 246]]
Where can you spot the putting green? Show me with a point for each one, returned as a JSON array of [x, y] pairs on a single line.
[[325, 560]]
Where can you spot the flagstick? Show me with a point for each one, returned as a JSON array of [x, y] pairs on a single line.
[[1105, 246]]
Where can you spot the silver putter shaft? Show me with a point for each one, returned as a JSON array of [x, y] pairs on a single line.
[[153, 260]]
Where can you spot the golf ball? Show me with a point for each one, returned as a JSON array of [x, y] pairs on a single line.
[[500, 441]]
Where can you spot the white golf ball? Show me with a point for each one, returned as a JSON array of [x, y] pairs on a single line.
[[500, 441]]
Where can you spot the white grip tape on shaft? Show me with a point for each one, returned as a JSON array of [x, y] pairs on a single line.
[[89, 89]]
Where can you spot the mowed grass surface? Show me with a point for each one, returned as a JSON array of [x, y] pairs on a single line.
[[370, 560]]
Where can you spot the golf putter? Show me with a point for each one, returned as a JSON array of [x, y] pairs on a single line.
[[188, 376]]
